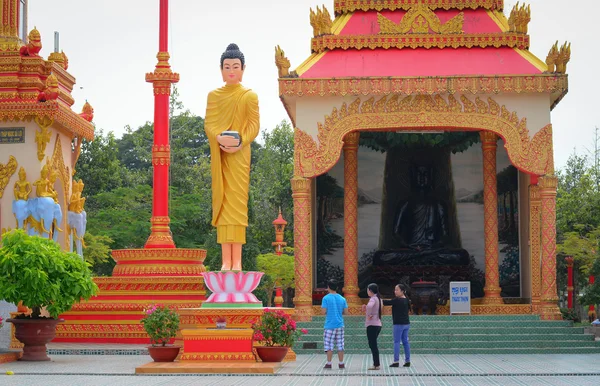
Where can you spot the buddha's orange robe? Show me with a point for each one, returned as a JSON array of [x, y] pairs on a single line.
[[232, 108]]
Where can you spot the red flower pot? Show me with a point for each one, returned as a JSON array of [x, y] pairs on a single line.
[[271, 354], [34, 334], [163, 353]]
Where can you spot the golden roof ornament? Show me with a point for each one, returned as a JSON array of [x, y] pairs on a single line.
[[283, 64], [87, 112], [419, 20], [519, 19], [65, 60], [34, 45], [321, 21], [558, 58]]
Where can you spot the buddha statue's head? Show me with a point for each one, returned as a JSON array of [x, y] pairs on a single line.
[[232, 65], [422, 177], [22, 174]]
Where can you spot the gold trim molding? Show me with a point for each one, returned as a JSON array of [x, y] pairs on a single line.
[[420, 19], [423, 112], [399, 40], [346, 6]]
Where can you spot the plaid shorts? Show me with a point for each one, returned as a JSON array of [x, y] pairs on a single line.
[[331, 336]]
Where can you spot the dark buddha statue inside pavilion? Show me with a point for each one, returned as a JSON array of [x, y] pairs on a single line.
[[420, 227]]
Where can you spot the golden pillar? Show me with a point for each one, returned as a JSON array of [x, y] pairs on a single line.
[[303, 272], [351, 219], [535, 245], [549, 300], [489, 142]]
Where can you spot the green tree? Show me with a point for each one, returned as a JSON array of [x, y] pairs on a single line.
[[279, 272], [270, 185], [97, 253]]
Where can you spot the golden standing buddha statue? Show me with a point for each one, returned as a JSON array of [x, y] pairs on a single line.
[[22, 187], [231, 108]]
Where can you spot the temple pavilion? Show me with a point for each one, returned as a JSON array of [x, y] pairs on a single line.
[[428, 65]]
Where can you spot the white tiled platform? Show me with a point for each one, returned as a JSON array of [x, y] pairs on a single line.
[[501, 370]]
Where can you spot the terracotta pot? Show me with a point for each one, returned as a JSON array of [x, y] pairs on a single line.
[[272, 354], [163, 353], [34, 334]]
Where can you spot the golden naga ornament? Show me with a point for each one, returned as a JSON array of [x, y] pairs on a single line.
[[419, 20], [321, 21], [558, 58], [283, 64], [519, 19], [22, 187], [6, 171]]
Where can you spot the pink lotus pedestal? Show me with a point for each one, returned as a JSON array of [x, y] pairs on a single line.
[[232, 289]]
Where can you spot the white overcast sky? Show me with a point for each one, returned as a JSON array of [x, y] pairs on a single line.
[[111, 45]]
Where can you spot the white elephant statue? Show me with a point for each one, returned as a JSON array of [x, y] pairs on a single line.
[[21, 211], [77, 224], [46, 212]]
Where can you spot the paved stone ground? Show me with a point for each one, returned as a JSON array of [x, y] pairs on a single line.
[[5, 310], [500, 370]]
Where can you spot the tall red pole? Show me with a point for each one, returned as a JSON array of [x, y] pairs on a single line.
[[162, 78], [569, 260]]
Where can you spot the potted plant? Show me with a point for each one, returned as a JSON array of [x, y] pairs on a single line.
[[276, 333], [161, 323], [38, 273]]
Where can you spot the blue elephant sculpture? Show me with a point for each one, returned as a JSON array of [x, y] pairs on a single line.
[[21, 211], [77, 223], [45, 212]]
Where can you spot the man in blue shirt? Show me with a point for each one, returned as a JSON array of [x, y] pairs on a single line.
[[334, 307]]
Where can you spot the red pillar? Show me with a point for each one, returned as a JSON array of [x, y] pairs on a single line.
[[569, 260], [162, 78]]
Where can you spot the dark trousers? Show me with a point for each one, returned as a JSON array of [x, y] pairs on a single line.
[[372, 334]]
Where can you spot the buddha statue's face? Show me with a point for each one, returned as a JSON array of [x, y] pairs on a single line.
[[423, 177], [232, 71]]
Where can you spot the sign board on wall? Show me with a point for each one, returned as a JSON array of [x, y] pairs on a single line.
[[12, 135], [460, 297]]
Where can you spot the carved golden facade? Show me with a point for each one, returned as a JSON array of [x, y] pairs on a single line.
[[423, 112], [346, 6], [6, 172], [420, 19]]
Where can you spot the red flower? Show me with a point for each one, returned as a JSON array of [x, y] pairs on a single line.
[[304, 331]]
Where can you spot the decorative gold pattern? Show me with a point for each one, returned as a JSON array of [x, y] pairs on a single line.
[[558, 58], [476, 309], [519, 19], [351, 218], [162, 78], [496, 40], [535, 246], [43, 136], [301, 188], [517, 84], [420, 19], [489, 143], [218, 357], [161, 155], [63, 116], [423, 112], [549, 300], [6, 172], [320, 21], [346, 6]]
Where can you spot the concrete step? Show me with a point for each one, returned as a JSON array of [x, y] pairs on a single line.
[[459, 351], [386, 336], [444, 317], [492, 323], [460, 345]]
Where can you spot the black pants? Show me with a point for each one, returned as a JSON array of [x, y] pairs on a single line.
[[372, 334]]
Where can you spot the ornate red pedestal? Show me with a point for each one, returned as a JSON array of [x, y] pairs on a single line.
[[141, 277]]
